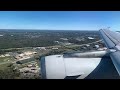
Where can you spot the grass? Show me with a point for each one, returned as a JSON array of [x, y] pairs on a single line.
[[6, 59], [4, 66], [6, 72]]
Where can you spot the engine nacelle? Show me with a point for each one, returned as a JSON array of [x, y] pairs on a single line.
[[70, 65]]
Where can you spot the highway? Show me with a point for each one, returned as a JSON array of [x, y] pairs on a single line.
[[84, 44]]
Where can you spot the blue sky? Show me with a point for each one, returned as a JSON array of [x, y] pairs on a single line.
[[60, 20]]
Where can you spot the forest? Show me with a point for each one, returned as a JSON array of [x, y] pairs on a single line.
[[35, 38]]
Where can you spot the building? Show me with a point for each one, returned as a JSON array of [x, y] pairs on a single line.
[[90, 38], [87, 45], [55, 48], [64, 39], [39, 48], [104, 48], [1, 35], [7, 55], [96, 46]]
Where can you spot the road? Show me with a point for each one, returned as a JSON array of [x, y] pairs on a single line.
[[84, 44], [89, 43]]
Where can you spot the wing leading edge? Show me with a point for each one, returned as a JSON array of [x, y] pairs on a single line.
[[112, 42]]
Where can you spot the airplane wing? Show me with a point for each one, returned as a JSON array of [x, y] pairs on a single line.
[[112, 42]]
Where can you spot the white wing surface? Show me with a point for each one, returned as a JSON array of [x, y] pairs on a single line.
[[112, 42]]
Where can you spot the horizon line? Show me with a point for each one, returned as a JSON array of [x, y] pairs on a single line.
[[54, 29]]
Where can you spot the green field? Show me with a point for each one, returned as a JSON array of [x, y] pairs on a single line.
[[6, 59], [7, 71], [5, 66]]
